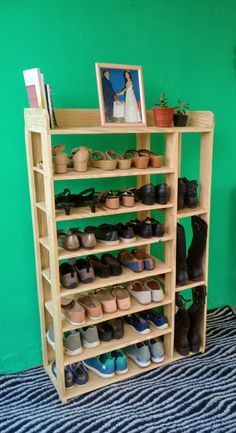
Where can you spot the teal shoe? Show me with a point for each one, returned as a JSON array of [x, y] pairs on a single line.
[[121, 365], [103, 365]]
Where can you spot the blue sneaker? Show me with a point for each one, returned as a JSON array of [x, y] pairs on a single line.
[[138, 323], [155, 319], [103, 365], [69, 377], [80, 373], [121, 365]]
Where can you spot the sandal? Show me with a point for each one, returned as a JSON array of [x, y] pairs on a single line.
[[80, 158], [155, 161], [137, 160], [60, 159], [127, 197], [122, 163], [99, 160], [85, 198], [112, 200], [63, 201]]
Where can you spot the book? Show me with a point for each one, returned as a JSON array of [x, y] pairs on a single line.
[[35, 88], [52, 117]]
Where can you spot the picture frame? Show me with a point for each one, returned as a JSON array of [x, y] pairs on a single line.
[[121, 95]]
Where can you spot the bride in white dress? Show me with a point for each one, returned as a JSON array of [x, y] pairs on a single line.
[[132, 113]]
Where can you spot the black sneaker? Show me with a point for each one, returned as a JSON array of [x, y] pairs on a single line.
[[105, 233], [126, 233], [141, 228]]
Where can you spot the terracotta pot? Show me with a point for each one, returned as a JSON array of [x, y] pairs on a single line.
[[163, 116], [180, 119]]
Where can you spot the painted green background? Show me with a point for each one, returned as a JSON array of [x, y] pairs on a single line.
[[186, 48]]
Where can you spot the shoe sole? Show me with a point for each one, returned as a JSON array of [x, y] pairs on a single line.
[[74, 323], [139, 363], [110, 242], [145, 331], [98, 372], [121, 371], [89, 345], [157, 360], [158, 327], [95, 318], [128, 240], [73, 352]]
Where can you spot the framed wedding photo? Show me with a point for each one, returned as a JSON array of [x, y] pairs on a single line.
[[121, 95]]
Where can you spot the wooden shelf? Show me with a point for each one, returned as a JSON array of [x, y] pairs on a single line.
[[187, 212], [101, 248], [102, 211], [135, 308], [126, 276], [125, 130], [190, 285], [177, 356], [130, 337]]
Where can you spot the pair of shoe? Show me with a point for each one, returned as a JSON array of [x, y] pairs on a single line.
[[111, 234], [113, 199], [108, 364], [75, 374], [145, 352], [66, 200], [137, 260], [73, 239], [112, 329], [187, 193], [150, 194], [190, 268], [75, 340], [147, 228], [143, 158], [109, 160], [72, 273], [141, 322], [188, 322], [147, 291]]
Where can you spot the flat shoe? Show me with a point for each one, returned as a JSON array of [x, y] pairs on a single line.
[[131, 262], [113, 262], [105, 331], [122, 297], [108, 301], [117, 327], [149, 261], [92, 306]]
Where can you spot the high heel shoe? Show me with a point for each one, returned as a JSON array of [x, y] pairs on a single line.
[[80, 158]]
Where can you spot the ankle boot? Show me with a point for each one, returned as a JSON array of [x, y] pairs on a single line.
[[182, 325], [197, 248], [191, 199], [195, 313], [181, 193], [181, 263]]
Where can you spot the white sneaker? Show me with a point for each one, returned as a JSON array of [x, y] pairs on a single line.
[[141, 293]]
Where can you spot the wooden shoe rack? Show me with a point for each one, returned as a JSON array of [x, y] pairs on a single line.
[[45, 219]]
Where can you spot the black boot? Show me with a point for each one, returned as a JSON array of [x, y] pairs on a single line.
[[182, 325], [181, 263], [191, 199], [195, 313], [181, 193], [197, 248]]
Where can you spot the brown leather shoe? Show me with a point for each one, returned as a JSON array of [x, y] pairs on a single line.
[[127, 259], [148, 261]]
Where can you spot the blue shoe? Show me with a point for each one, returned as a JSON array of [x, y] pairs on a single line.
[[69, 377], [121, 365], [155, 319], [138, 323], [128, 260], [80, 373], [103, 365]]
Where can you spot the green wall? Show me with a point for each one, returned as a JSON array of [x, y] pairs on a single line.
[[186, 49]]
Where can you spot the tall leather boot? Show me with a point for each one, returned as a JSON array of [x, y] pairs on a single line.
[[197, 248], [191, 199], [195, 313], [181, 193], [182, 325], [181, 263]]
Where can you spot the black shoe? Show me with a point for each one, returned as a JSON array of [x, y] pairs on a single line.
[[113, 263], [181, 262], [157, 228], [140, 228], [126, 233], [191, 199], [104, 331], [84, 270], [117, 327], [162, 193], [146, 194], [195, 313], [105, 233], [197, 248], [181, 193], [182, 326], [100, 269]]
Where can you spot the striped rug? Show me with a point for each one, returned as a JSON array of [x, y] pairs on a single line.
[[190, 396]]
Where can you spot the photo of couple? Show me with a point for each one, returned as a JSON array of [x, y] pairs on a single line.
[[120, 94]]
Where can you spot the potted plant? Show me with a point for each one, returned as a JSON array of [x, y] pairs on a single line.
[[180, 117], [163, 115]]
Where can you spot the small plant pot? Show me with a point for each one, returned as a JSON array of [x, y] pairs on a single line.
[[180, 119], [163, 116]]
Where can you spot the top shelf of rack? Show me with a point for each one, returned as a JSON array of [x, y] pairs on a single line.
[[87, 121]]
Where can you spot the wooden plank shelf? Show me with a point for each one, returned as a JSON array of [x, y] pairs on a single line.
[[187, 212], [135, 308], [101, 248], [190, 285], [88, 130]]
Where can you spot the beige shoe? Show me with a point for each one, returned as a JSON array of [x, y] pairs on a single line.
[[122, 163], [80, 158], [99, 160], [75, 314], [107, 300], [68, 240], [60, 163], [92, 306], [122, 297]]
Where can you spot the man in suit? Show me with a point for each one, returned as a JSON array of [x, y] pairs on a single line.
[[108, 95]]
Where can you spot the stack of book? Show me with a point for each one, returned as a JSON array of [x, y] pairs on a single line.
[[39, 93]]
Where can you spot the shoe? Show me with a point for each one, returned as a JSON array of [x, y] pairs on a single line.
[[112, 200], [100, 269], [155, 319], [140, 292], [68, 374], [60, 159], [197, 249], [80, 373], [122, 164], [127, 197], [67, 240], [181, 193], [140, 354], [68, 276], [113, 263], [156, 349], [84, 270], [104, 331], [155, 161], [50, 336], [66, 305], [138, 323], [121, 364], [117, 327], [87, 240], [128, 260], [157, 228], [122, 297], [100, 160], [148, 261], [195, 313], [74, 313], [80, 158], [64, 201], [141, 228], [146, 194], [190, 199], [182, 326], [105, 233], [107, 300], [72, 343], [181, 262], [92, 306], [89, 336], [137, 160], [103, 365], [126, 233], [162, 193], [156, 290]]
